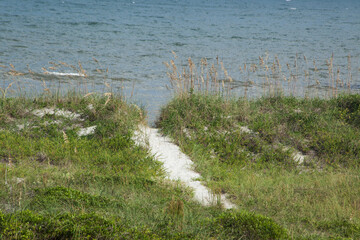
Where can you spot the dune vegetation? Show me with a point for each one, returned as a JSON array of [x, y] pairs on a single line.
[[71, 169], [293, 159]]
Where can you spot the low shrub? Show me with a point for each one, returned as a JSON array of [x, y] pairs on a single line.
[[30, 225], [245, 225], [61, 196], [349, 108], [2, 222]]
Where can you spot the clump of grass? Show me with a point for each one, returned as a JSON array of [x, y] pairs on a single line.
[[30, 225], [58, 197], [205, 77], [341, 227], [349, 108], [246, 225]]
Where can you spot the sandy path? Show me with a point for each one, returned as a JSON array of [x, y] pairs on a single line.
[[177, 164]]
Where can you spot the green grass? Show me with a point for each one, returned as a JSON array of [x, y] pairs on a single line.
[[55, 184], [313, 200]]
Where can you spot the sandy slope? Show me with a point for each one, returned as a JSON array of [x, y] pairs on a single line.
[[177, 164]]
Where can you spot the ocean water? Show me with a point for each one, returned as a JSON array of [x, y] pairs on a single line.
[[133, 38]]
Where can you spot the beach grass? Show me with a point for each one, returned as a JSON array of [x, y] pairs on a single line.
[[294, 160], [70, 169], [290, 156]]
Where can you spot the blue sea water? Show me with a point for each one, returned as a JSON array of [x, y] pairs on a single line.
[[132, 38]]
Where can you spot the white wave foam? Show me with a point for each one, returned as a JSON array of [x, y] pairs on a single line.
[[66, 74]]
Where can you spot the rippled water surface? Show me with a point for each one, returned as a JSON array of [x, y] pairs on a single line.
[[133, 38]]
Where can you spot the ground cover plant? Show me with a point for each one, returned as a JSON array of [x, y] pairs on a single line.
[[70, 170], [257, 168], [295, 160]]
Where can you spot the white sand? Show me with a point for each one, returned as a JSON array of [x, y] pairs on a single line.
[[86, 131], [58, 112], [177, 165]]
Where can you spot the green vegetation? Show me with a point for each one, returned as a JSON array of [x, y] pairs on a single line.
[[248, 148], [249, 226], [59, 183], [70, 168]]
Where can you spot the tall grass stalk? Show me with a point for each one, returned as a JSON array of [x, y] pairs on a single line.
[[297, 79]]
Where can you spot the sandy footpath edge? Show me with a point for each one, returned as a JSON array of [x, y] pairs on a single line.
[[177, 164]]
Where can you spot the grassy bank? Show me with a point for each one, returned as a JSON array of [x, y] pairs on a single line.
[[250, 150], [70, 170]]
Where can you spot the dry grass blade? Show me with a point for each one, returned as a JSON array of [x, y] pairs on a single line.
[[107, 101], [9, 86], [349, 73], [82, 70], [64, 64], [29, 70], [65, 137], [14, 72], [54, 64], [167, 65], [108, 94], [4, 91], [88, 94], [10, 161]]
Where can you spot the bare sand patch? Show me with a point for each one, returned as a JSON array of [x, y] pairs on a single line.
[[177, 165]]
